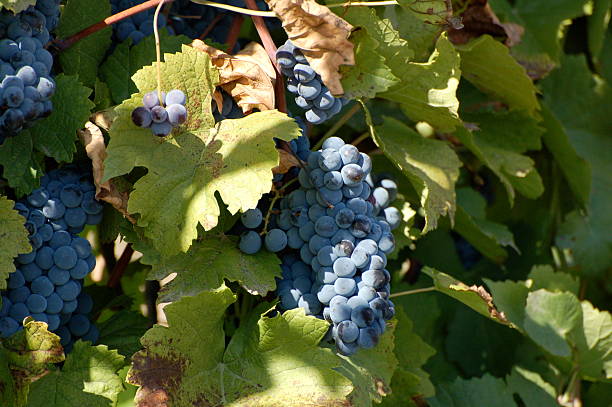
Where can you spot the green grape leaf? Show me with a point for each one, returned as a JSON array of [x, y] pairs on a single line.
[[421, 36], [595, 349], [370, 370], [210, 261], [597, 24], [539, 50], [577, 170], [471, 223], [126, 60], [475, 297], [429, 11], [369, 75], [499, 141], [269, 360], [532, 389], [187, 168], [21, 166], [55, 136], [431, 166], [13, 239], [544, 276], [89, 378], [122, 331], [583, 107], [10, 393], [409, 380], [83, 58], [478, 391], [16, 6], [488, 65], [428, 90]]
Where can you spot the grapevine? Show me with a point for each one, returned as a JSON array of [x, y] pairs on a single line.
[[305, 203]]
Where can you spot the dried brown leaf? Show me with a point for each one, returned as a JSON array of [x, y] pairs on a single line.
[[479, 19], [93, 140], [248, 75], [322, 36], [286, 161]]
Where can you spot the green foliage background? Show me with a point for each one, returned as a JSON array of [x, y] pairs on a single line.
[[498, 143]]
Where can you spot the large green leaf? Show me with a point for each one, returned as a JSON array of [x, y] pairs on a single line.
[[269, 360], [88, 378], [370, 75], [21, 167], [532, 389], [427, 91], [13, 239], [478, 391], [122, 331], [583, 107], [598, 22], [211, 260], [126, 60], [187, 168], [487, 64], [83, 58], [499, 141], [595, 348], [539, 50], [431, 166]]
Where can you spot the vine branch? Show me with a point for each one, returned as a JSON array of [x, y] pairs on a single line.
[[120, 266]]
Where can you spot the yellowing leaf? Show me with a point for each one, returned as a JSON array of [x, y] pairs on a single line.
[[187, 168], [322, 36], [13, 238]]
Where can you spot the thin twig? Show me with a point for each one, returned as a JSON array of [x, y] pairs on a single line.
[[115, 18], [232, 36], [120, 266], [158, 51], [410, 292], [270, 209], [249, 12], [339, 123], [211, 26], [361, 138]]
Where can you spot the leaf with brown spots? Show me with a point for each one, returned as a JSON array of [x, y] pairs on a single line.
[[248, 75], [187, 168], [475, 297], [270, 361], [322, 36]]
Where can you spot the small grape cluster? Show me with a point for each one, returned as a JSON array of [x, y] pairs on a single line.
[[48, 281], [334, 233], [229, 108], [312, 95], [26, 86], [138, 26], [162, 117]]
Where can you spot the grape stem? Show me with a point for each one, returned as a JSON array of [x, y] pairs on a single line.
[[115, 18], [158, 51], [120, 266], [410, 292]]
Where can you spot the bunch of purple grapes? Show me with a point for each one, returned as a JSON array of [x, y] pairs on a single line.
[[312, 95], [162, 117], [136, 27], [47, 283]]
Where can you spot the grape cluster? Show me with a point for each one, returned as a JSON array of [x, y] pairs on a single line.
[[229, 108], [48, 281], [334, 233], [312, 95], [162, 117], [26, 86], [136, 27]]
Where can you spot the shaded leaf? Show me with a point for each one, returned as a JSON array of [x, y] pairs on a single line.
[[484, 391], [21, 166], [430, 165], [83, 58], [596, 349], [430, 11], [122, 331], [532, 389], [479, 19], [545, 276]]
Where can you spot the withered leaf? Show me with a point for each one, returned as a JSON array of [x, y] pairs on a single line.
[[93, 140], [479, 19], [247, 76], [287, 161], [322, 36]]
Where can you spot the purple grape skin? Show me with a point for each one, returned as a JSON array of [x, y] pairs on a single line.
[[177, 114], [141, 117], [175, 96], [161, 129], [159, 114]]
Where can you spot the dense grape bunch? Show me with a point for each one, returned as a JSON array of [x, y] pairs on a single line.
[[136, 27], [334, 234], [48, 281], [311, 94], [162, 117], [26, 86]]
